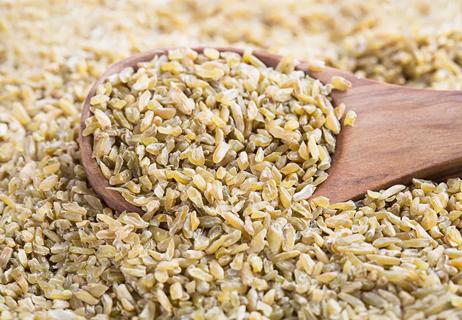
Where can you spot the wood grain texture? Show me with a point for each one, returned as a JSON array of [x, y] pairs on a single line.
[[400, 133]]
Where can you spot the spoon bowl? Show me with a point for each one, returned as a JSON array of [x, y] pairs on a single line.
[[401, 133]]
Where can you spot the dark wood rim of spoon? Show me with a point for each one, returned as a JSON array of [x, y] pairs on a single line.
[[97, 181]]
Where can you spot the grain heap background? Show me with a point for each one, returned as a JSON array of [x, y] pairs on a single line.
[[64, 255]]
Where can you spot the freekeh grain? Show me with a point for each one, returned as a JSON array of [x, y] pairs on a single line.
[[188, 114], [53, 253]]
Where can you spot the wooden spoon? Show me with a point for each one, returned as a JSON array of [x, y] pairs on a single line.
[[401, 133]]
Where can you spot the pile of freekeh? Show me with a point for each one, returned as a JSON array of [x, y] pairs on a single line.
[[214, 132], [397, 254]]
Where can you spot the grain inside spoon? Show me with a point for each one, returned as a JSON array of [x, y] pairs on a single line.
[[399, 134]]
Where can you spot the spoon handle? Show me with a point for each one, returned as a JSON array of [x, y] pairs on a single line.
[[401, 133]]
